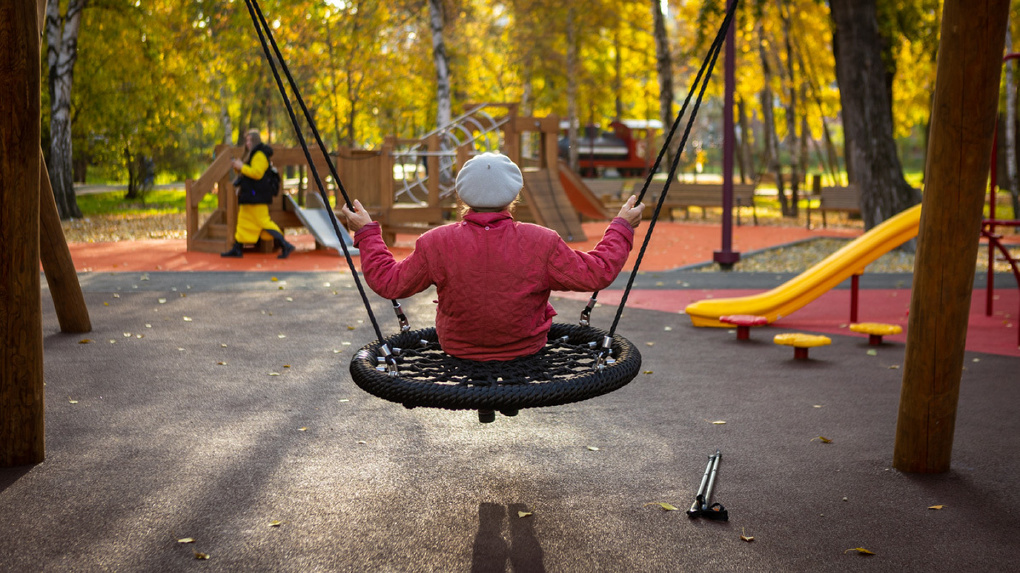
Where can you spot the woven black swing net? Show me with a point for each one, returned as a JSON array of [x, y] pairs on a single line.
[[565, 371]]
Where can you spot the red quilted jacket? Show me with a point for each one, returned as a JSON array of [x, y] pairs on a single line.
[[493, 276]]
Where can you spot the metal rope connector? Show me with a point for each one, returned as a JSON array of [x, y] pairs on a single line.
[[390, 360], [605, 357], [586, 313], [401, 318]]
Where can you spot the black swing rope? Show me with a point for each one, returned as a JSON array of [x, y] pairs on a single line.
[[569, 369], [255, 11], [709, 64]]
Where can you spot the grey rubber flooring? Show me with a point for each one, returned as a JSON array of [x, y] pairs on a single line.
[[218, 407]]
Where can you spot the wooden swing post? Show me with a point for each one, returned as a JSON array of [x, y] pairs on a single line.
[[962, 123], [21, 346]]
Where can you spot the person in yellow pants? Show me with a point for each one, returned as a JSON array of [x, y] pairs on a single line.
[[255, 192]]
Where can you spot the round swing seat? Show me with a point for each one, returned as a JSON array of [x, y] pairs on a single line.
[[564, 371]]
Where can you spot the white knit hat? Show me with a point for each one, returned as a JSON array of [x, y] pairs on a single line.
[[489, 181]]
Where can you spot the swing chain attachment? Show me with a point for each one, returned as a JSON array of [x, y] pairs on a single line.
[[605, 357], [586, 313], [401, 317], [390, 359]]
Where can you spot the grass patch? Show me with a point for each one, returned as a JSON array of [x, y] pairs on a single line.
[[157, 202]]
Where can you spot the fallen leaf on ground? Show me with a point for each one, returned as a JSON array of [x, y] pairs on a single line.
[[860, 550], [275, 523], [665, 506], [894, 367], [302, 429], [221, 363], [186, 540], [85, 341], [593, 448], [523, 514], [822, 439], [936, 507], [745, 537], [201, 555], [872, 352], [649, 372], [71, 400]]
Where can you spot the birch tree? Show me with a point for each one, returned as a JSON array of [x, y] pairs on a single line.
[[664, 71], [61, 55], [437, 21]]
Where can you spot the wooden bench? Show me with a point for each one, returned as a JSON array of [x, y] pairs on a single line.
[[842, 199], [704, 196]]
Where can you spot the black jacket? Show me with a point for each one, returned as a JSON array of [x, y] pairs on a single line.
[[259, 191]]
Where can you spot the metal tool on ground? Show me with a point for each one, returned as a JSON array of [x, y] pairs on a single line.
[[702, 506]]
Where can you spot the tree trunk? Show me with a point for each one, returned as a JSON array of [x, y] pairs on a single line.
[[743, 145], [61, 55], [664, 70], [769, 128], [1011, 179], [129, 164], [22, 397], [228, 128], [437, 20], [793, 142], [867, 117], [572, 155], [618, 76]]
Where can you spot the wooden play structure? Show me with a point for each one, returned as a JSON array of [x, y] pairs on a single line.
[[407, 184]]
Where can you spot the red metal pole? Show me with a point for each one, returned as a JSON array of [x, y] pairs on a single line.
[[854, 289], [726, 257]]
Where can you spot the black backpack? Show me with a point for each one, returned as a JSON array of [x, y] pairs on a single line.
[[260, 191]]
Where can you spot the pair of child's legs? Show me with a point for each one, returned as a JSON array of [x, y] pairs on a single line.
[[252, 221]]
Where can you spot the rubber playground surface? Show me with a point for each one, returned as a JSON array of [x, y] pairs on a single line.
[[210, 413], [675, 247]]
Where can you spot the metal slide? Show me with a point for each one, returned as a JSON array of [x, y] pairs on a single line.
[[316, 219]]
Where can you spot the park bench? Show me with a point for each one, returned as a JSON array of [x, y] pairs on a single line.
[[701, 195], [840, 199]]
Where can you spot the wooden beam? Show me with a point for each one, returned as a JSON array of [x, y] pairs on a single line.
[[959, 149], [21, 350], [68, 300]]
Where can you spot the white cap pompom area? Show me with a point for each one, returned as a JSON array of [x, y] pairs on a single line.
[[489, 181]]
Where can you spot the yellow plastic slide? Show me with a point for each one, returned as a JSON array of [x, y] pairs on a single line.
[[819, 279]]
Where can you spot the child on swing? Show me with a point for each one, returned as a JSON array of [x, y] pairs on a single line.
[[493, 274]]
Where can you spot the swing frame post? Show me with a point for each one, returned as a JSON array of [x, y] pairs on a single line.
[[964, 111], [22, 427]]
